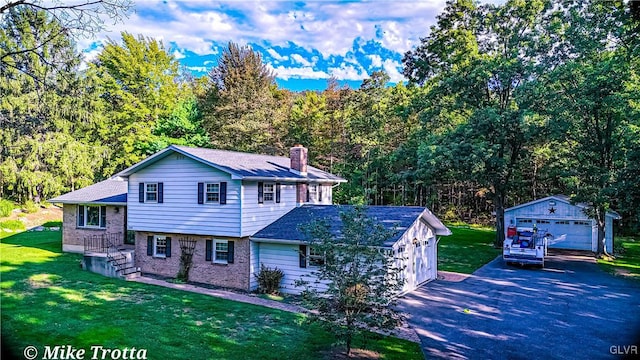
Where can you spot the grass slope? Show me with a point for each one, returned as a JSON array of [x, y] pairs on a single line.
[[466, 250], [627, 259], [48, 300]]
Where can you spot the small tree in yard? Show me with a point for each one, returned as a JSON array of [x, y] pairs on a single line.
[[360, 277]]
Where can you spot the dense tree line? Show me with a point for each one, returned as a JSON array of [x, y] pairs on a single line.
[[505, 103]]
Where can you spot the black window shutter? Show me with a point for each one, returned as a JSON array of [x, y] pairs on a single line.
[[141, 192], [223, 193], [103, 216], [303, 256], [277, 192], [200, 193], [208, 249], [160, 193], [230, 253], [168, 254], [80, 215], [150, 245], [260, 193], [308, 192]]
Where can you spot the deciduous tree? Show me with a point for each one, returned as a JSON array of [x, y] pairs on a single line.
[[361, 277], [476, 59]]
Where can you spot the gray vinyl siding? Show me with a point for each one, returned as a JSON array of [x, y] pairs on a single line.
[[286, 257], [608, 234], [180, 211], [256, 216], [425, 255]]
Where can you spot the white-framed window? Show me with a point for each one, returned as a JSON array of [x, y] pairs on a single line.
[[313, 193], [269, 192], [92, 216], [151, 192], [220, 251], [316, 257], [160, 246], [212, 193]]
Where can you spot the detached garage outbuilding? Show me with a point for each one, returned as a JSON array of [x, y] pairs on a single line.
[[556, 215]]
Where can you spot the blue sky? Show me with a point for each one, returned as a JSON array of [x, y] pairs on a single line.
[[303, 42]]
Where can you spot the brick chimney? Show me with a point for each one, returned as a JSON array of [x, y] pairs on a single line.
[[298, 156]]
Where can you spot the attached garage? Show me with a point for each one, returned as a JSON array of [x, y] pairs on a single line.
[[556, 216]]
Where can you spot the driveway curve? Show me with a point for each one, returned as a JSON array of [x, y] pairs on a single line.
[[571, 309]]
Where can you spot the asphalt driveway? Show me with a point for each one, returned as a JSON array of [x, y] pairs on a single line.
[[571, 309]]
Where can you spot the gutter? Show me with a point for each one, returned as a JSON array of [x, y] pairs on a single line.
[[289, 179], [87, 203], [278, 241]]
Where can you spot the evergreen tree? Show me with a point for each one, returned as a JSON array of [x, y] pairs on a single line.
[[40, 154], [241, 108]]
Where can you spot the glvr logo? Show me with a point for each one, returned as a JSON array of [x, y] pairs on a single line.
[[624, 349]]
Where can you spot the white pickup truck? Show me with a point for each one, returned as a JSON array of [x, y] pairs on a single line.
[[525, 246]]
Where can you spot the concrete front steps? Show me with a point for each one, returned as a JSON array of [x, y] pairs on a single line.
[[119, 265]]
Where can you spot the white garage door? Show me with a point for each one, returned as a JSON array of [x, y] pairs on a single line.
[[578, 232]]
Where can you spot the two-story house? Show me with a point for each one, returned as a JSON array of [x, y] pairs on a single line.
[[218, 200]]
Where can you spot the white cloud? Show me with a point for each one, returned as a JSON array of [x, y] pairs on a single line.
[[391, 68], [300, 60], [298, 72], [328, 27], [198, 68], [178, 55], [376, 60], [274, 54], [348, 72]]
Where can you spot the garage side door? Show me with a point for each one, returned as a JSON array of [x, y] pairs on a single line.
[[578, 234]]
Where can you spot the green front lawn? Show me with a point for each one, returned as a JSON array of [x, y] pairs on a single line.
[[48, 300], [466, 250], [627, 258]]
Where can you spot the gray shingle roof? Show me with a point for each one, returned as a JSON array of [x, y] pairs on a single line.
[[400, 218], [241, 165], [110, 191], [566, 199]]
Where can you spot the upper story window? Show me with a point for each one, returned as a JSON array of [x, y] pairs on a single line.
[[151, 192], [92, 216], [313, 193], [213, 193], [268, 192]]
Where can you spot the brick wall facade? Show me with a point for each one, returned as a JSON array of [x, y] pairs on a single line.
[[234, 275], [73, 236]]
